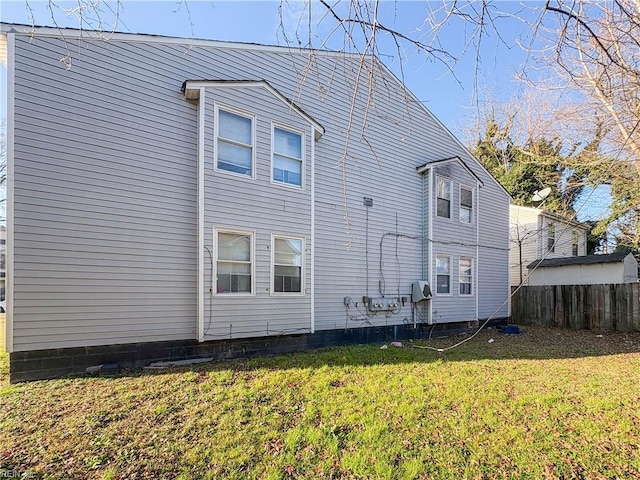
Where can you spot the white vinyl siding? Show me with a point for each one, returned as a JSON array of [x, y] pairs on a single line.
[[465, 274], [287, 264], [532, 234], [288, 164], [234, 142], [233, 262]]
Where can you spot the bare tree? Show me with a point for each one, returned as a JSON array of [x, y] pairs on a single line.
[[589, 50], [595, 49]]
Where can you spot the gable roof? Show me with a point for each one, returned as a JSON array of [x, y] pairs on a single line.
[[426, 166], [615, 257], [191, 90]]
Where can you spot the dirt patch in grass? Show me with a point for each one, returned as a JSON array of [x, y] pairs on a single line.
[[543, 404]]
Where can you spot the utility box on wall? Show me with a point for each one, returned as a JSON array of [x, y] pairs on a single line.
[[420, 291]]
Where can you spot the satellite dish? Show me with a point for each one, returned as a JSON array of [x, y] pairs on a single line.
[[540, 195]]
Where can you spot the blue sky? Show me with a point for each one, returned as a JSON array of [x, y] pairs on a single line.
[[450, 96]]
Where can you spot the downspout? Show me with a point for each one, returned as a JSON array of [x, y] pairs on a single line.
[[11, 57], [477, 265], [425, 233], [424, 229], [313, 230], [201, 135], [430, 241]]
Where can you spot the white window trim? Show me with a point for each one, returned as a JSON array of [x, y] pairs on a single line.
[[252, 236], [272, 291], [446, 179], [473, 203], [303, 152], [472, 276], [216, 108], [450, 257]]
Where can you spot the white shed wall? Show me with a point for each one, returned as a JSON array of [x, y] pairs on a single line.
[[600, 273]]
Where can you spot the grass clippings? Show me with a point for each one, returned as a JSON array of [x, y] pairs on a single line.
[[543, 404]]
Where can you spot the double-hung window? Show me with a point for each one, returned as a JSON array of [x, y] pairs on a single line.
[[574, 243], [466, 275], [288, 253], [287, 157], [443, 207], [234, 142], [234, 262], [551, 238], [443, 274], [466, 204]]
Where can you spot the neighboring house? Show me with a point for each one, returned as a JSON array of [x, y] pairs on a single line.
[[536, 234], [178, 197], [617, 267]]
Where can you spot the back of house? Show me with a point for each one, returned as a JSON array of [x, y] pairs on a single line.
[[171, 198]]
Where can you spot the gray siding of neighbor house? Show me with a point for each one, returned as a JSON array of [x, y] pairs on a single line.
[[106, 193]]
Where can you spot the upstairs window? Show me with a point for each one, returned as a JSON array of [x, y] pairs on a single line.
[[234, 142], [234, 262], [287, 157], [466, 276], [551, 238], [574, 243], [443, 207], [443, 274], [466, 204], [287, 265]]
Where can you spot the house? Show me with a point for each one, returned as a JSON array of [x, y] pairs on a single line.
[[175, 198], [617, 267], [537, 234]]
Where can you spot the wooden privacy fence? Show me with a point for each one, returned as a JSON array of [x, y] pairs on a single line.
[[611, 307]]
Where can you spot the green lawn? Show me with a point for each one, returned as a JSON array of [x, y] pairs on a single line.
[[543, 404]]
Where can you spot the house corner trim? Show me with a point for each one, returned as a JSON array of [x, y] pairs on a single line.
[[11, 52], [200, 283]]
